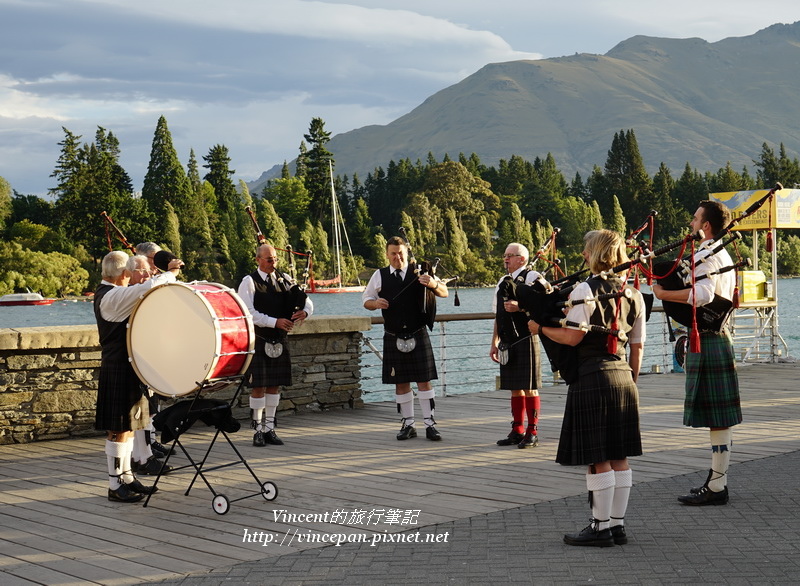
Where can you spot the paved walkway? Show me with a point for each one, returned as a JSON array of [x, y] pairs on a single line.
[[755, 539], [488, 514]]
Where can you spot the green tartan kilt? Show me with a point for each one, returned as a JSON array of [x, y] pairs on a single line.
[[712, 385]]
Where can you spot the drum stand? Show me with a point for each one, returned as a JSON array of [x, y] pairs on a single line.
[[220, 503]]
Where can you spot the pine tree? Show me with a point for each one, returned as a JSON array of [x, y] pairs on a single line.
[[317, 178]]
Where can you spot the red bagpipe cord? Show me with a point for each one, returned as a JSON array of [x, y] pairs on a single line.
[[694, 339]]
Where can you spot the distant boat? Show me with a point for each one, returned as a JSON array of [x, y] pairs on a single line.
[[24, 299], [335, 284]]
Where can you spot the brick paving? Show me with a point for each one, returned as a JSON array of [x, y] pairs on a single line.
[[752, 540]]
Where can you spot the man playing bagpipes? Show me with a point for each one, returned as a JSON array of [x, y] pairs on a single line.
[[277, 305], [712, 385], [404, 295], [517, 352]]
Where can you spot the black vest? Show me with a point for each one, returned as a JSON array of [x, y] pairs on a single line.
[[113, 334], [404, 315], [511, 326], [594, 346], [273, 301]]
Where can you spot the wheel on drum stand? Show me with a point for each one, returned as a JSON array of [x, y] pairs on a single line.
[[220, 504], [269, 491]]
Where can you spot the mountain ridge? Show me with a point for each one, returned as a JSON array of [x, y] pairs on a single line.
[[687, 100]]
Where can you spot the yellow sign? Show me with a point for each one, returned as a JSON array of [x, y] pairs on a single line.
[[783, 208]]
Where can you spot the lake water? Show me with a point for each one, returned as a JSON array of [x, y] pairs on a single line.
[[462, 347]]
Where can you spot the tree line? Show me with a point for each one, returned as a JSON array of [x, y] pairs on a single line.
[[461, 211]]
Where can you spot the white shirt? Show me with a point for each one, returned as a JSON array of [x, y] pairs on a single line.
[[117, 304], [722, 285], [247, 289], [582, 313], [529, 278], [371, 293]]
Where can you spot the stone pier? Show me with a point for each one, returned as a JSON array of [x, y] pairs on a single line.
[[48, 376]]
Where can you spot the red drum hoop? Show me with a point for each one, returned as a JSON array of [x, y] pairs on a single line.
[[184, 335]]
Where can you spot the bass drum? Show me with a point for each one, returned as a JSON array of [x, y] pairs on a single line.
[[184, 335]]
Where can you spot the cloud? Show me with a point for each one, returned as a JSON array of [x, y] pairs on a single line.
[[251, 74]]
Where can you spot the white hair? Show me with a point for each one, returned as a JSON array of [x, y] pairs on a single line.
[[522, 250], [114, 263], [147, 248], [134, 262]]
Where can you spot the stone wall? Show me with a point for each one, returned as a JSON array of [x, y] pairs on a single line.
[[48, 376]]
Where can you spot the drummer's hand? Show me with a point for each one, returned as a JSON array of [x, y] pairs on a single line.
[[657, 289], [511, 306], [175, 265], [533, 327], [299, 316], [425, 280], [284, 324], [493, 351]]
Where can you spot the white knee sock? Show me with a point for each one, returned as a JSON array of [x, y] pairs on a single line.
[[425, 401], [115, 451], [406, 402], [141, 447], [623, 480], [721, 441], [127, 473], [270, 409], [602, 489], [257, 405]]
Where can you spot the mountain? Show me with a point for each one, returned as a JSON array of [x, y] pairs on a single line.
[[687, 100]]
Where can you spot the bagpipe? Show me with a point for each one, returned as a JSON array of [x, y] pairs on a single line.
[[681, 274], [427, 301], [297, 295], [109, 224]]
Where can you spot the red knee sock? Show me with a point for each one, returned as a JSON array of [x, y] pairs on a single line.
[[518, 413], [532, 405]]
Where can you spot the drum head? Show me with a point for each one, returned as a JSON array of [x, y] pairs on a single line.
[[173, 340]]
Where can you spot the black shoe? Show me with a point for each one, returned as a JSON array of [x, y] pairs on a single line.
[[513, 439], [407, 432], [258, 439], [124, 495], [706, 496], [140, 488], [591, 536], [272, 438], [151, 467], [618, 533], [160, 450], [432, 434], [529, 441]]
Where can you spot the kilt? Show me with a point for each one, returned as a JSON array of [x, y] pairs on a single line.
[[601, 419], [523, 370], [712, 385], [417, 366], [269, 372], [121, 399]]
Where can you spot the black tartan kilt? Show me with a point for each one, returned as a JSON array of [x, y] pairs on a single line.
[[121, 400], [269, 372], [416, 366], [523, 370], [601, 419]]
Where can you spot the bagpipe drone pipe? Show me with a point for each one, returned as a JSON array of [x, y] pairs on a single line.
[[678, 275]]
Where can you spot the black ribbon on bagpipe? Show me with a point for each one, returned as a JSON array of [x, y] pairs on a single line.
[[427, 302], [677, 275], [296, 293]]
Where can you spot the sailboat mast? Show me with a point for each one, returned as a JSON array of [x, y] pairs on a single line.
[[337, 237]]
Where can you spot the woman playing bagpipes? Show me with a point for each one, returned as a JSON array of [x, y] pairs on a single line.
[[601, 419]]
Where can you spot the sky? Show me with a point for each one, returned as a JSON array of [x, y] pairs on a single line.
[[251, 74]]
